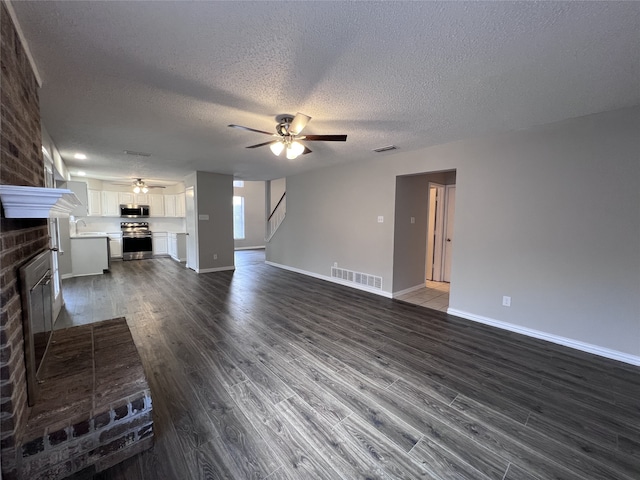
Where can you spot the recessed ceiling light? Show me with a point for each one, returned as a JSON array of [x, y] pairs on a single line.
[[80, 156], [81, 173]]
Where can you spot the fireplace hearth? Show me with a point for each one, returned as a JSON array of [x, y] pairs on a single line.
[[94, 407]]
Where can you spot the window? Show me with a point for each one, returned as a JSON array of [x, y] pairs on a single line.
[[238, 183], [238, 218]]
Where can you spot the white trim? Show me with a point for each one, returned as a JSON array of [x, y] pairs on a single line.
[[23, 40], [567, 342], [37, 202], [257, 247], [339, 281], [408, 290], [216, 269], [66, 275]]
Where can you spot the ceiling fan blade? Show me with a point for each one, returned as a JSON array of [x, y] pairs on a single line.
[[263, 144], [299, 122], [325, 138], [155, 186], [306, 150], [251, 129]]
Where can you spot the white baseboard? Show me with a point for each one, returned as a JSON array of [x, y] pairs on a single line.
[[257, 247], [217, 269], [327, 278], [567, 342], [66, 275], [408, 290]]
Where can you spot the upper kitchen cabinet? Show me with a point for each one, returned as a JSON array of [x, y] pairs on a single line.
[[126, 198], [156, 205], [174, 205], [110, 204], [181, 210], [141, 199], [95, 203], [80, 189]]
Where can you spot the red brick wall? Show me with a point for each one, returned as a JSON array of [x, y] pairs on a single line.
[[21, 163]]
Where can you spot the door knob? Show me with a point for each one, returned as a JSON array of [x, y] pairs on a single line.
[[448, 239]]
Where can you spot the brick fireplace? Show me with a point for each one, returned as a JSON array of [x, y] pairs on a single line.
[[21, 163], [107, 425]]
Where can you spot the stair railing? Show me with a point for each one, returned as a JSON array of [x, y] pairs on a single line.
[[276, 217]]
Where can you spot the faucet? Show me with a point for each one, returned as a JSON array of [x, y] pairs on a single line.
[[83, 222]]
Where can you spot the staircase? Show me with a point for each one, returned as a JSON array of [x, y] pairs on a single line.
[[276, 217]]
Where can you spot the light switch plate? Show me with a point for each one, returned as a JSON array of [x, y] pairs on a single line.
[[380, 219]]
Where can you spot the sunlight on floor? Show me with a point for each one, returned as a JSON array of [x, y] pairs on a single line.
[[434, 295]]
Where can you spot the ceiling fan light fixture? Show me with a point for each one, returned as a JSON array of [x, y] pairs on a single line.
[[145, 189], [136, 189], [294, 150], [277, 148]]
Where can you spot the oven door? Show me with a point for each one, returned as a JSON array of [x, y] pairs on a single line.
[[136, 247]]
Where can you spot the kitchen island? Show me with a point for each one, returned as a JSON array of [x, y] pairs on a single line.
[[90, 254]]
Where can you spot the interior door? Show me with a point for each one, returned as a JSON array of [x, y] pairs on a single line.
[[191, 228], [448, 228], [435, 232]]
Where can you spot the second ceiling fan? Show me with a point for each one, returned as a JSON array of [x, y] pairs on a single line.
[[288, 136]]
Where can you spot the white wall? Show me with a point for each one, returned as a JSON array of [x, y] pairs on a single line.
[[549, 216]]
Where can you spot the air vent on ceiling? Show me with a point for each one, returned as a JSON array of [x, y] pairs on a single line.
[[385, 149], [357, 277], [137, 154]]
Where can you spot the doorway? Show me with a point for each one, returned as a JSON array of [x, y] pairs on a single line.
[[191, 229], [424, 238]]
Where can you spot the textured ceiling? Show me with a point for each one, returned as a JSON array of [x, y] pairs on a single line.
[[168, 77]]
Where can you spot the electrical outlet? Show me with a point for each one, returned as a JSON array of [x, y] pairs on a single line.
[[335, 264], [506, 301], [215, 256], [413, 219], [380, 219]]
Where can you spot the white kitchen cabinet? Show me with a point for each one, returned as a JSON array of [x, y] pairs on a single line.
[[156, 205], [80, 189], [178, 246], [115, 244], [169, 205], [174, 205], [160, 243], [141, 199], [89, 255], [110, 204], [181, 210], [126, 198], [95, 203]]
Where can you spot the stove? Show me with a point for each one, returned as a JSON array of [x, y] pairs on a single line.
[[136, 241]]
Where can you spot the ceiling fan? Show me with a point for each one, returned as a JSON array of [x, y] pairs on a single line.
[[140, 186], [288, 136]]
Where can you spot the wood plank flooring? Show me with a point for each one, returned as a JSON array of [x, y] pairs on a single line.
[[266, 374]]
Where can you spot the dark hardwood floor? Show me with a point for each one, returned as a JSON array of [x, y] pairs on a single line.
[[264, 373]]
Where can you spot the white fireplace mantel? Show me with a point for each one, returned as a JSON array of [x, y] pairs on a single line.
[[37, 202]]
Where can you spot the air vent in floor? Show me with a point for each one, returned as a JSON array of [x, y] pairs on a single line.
[[357, 277]]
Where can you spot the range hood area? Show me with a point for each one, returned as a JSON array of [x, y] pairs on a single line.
[[37, 202]]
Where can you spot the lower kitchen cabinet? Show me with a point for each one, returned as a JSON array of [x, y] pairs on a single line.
[[115, 244], [89, 255], [178, 246], [160, 243]]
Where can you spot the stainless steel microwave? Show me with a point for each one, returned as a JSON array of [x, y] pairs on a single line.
[[134, 211]]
